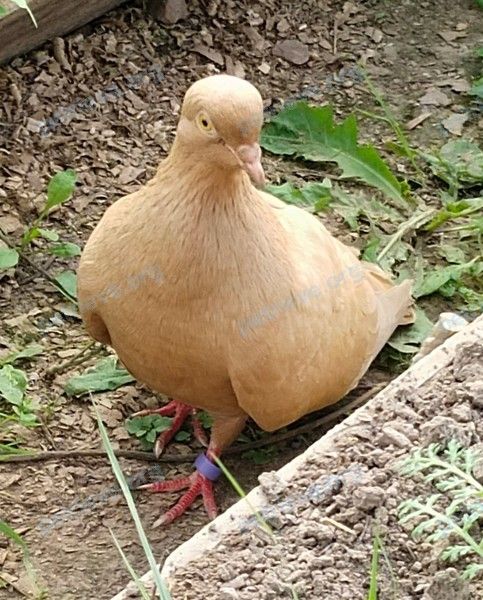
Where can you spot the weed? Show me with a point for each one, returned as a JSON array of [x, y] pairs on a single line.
[[59, 190], [376, 549], [158, 580], [21, 4], [38, 592], [452, 514], [147, 428]]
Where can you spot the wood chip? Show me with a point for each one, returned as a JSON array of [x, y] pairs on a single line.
[[293, 51], [413, 123], [454, 123], [213, 55], [264, 68]]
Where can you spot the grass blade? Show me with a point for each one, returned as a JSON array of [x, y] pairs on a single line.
[[241, 492], [134, 576], [116, 467], [376, 547]]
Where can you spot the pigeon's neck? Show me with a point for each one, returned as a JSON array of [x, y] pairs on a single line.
[[199, 180]]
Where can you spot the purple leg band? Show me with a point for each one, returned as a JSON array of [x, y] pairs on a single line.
[[204, 466]]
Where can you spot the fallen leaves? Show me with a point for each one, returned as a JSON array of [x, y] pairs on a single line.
[[455, 122], [435, 97], [292, 51]]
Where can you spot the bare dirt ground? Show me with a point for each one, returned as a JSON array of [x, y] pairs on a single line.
[[106, 105]]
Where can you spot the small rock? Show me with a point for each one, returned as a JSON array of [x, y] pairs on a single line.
[[324, 489], [468, 361], [368, 497], [392, 436], [443, 429], [435, 97], [454, 123], [283, 25], [239, 582], [228, 593], [447, 585], [272, 485], [293, 51], [264, 68]]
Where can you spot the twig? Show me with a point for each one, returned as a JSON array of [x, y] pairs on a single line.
[[78, 358], [176, 458], [413, 223]]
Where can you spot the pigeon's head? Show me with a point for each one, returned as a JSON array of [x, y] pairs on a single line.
[[221, 119]]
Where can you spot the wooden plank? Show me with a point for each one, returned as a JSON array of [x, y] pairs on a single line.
[[54, 18]]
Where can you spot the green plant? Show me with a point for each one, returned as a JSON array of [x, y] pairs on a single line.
[[12, 535], [453, 513], [376, 549], [59, 190], [13, 385], [105, 375], [21, 4], [310, 132], [161, 587], [147, 428]]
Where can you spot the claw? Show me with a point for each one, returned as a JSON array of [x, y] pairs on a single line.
[[197, 484]]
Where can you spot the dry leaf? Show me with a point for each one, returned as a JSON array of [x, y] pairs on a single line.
[[293, 51], [413, 123], [435, 98], [210, 54], [454, 123]]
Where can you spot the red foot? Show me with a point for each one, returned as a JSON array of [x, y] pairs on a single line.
[[197, 484], [179, 412]]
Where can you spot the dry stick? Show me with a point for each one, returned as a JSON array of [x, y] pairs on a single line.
[[413, 223], [176, 458], [78, 358]]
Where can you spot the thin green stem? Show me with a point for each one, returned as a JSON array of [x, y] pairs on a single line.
[[414, 223], [450, 523]]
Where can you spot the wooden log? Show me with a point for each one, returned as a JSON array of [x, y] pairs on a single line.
[[54, 18]]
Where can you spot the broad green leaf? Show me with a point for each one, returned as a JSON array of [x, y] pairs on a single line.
[[65, 250], [459, 162], [51, 236], [438, 277], [13, 383], [317, 195], [27, 352], [407, 339], [452, 254], [106, 375], [310, 132], [60, 189], [182, 436], [3, 11], [8, 258], [68, 282]]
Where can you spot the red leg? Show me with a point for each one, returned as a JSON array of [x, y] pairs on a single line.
[[224, 431]]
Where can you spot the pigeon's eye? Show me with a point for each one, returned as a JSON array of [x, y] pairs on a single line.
[[204, 123]]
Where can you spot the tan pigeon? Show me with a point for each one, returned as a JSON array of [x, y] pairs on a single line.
[[225, 298]]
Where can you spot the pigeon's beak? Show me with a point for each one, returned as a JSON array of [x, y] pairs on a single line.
[[250, 156]]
